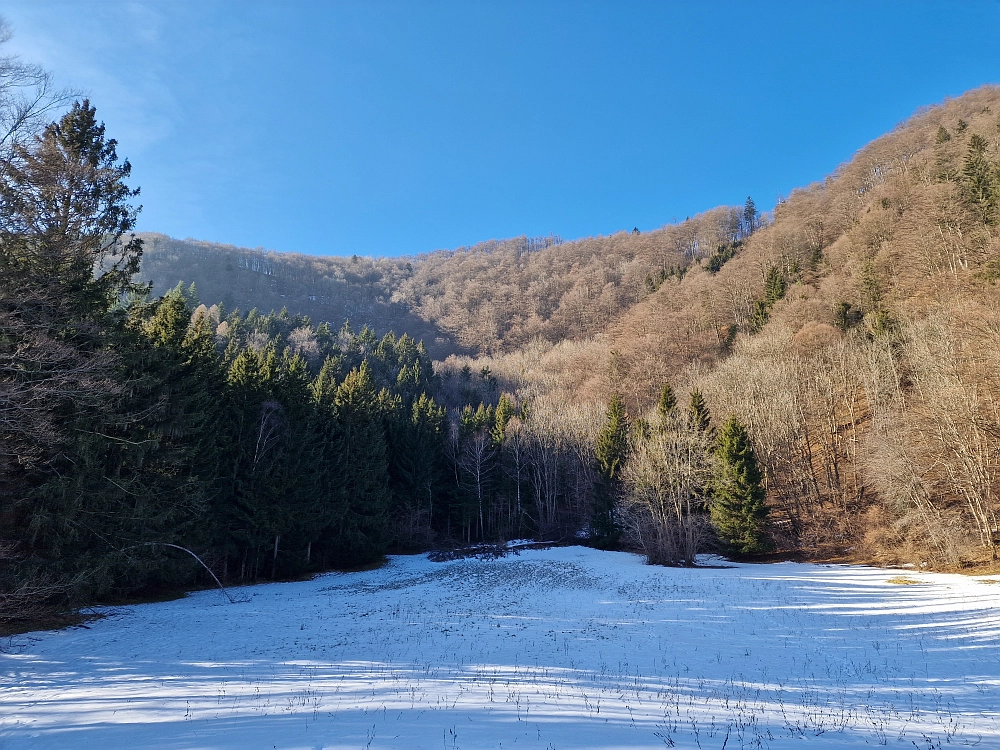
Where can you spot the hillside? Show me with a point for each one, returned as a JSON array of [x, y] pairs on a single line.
[[325, 289], [857, 337], [493, 296], [855, 333]]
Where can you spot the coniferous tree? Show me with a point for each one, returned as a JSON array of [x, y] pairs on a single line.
[[750, 221], [737, 507], [699, 416], [416, 441], [666, 406], [331, 506], [982, 180], [360, 535], [296, 479], [502, 415], [257, 437], [774, 285], [65, 210], [610, 451]]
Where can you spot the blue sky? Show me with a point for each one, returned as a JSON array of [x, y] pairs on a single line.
[[384, 128]]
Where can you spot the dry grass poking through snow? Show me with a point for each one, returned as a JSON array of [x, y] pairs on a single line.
[[559, 648]]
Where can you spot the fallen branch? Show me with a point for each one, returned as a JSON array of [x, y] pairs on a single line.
[[185, 549]]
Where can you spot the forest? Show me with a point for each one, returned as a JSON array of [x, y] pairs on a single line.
[[149, 441], [852, 331], [819, 381]]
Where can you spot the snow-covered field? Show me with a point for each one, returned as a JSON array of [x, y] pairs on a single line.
[[560, 648]]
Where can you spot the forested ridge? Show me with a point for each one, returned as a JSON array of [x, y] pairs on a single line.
[[851, 332], [820, 381], [490, 297]]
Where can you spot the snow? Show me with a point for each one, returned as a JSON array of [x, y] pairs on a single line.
[[560, 648]]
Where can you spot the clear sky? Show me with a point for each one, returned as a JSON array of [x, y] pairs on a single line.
[[385, 128]]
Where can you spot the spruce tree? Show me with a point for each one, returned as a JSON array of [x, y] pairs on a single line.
[[65, 211], [699, 417], [361, 535], [502, 415], [749, 219], [666, 407], [611, 452], [982, 180], [774, 285], [737, 507], [256, 434]]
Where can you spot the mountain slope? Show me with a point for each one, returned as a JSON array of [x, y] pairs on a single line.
[[491, 297], [325, 289], [857, 335], [858, 338]]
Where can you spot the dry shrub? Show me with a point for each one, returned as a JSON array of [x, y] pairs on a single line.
[[813, 337], [664, 485]]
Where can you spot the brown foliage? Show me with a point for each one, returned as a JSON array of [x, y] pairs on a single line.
[[868, 386]]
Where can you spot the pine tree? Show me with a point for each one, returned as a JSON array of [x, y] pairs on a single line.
[[699, 417], [737, 506], [982, 180], [666, 407], [611, 451]]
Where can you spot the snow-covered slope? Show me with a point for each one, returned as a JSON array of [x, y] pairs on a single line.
[[560, 648]]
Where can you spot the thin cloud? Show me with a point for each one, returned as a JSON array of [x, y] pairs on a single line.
[[90, 52]]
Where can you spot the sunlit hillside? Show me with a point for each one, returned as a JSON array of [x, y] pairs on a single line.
[[855, 332], [857, 336]]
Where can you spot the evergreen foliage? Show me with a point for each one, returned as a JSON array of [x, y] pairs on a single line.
[[751, 221], [612, 441], [699, 416], [722, 254], [269, 445], [737, 506], [610, 452], [981, 184], [666, 406], [774, 285]]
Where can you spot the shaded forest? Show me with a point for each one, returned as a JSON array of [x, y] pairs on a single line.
[[330, 290]]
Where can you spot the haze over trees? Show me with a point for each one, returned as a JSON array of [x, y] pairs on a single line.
[[821, 380]]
